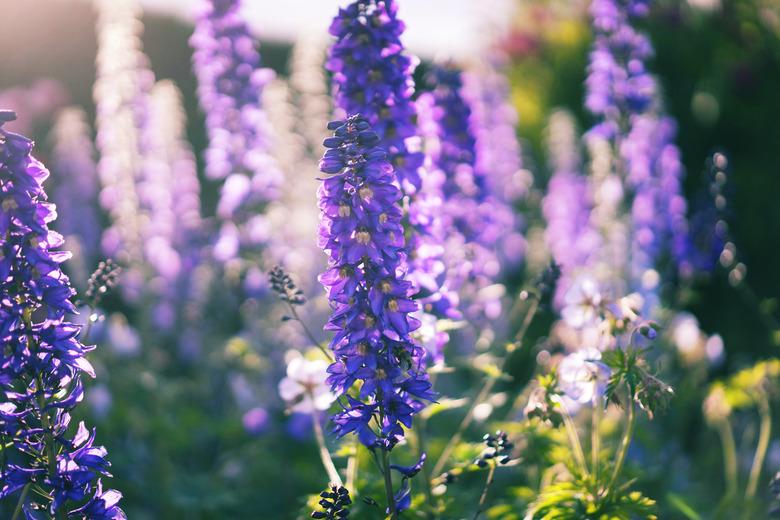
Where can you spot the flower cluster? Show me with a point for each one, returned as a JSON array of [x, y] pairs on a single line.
[[624, 95], [362, 234], [42, 360], [169, 193], [373, 77], [497, 447], [73, 159], [473, 219], [121, 88], [230, 84]]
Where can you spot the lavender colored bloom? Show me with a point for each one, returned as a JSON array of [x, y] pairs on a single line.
[[373, 77], [361, 232], [567, 204], [230, 84], [43, 360], [73, 161], [624, 96], [120, 92], [169, 195], [493, 123], [473, 219]]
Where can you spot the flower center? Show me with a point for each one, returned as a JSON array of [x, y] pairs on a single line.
[[363, 237]]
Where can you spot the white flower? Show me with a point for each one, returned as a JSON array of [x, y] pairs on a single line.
[[581, 303], [582, 376], [305, 388]]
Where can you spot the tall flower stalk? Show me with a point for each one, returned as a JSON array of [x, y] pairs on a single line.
[[120, 92], [230, 84], [73, 161], [372, 76], [645, 167], [472, 218], [362, 234], [44, 465]]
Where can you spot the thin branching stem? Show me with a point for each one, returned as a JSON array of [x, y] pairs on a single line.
[[391, 507], [765, 432], [624, 444], [327, 461], [485, 490]]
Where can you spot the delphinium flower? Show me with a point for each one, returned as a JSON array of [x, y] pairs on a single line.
[[372, 76], [470, 214], [362, 234], [230, 84], [123, 80], [73, 161], [567, 203], [169, 195], [498, 154], [624, 96], [46, 468]]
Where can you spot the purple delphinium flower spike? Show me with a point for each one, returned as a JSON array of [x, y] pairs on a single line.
[[73, 161], [42, 361], [372, 76], [362, 234], [168, 192], [473, 219], [123, 80], [493, 122], [230, 83], [567, 203], [623, 94]]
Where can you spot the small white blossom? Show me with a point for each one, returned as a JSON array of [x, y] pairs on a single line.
[[583, 377], [305, 388], [581, 303]]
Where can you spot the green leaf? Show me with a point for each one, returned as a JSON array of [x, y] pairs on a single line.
[[679, 503]]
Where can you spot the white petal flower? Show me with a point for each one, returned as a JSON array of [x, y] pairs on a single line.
[[582, 376], [305, 387], [581, 303]]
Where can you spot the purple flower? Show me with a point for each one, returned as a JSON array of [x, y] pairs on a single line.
[[230, 84], [472, 218], [372, 76], [362, 234], [73, 158], [43, 360]]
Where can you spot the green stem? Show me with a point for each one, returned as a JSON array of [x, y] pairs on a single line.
[[353, 464], [763, 443], [729, 457], [487, 386], [389, 485], [20, 503], [574, 439], [483, 496], [309, 333], [624, 444], [595, 437], [327, 461]]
